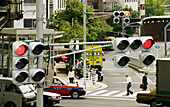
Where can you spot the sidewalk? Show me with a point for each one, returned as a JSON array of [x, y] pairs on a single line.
[[89, 86]]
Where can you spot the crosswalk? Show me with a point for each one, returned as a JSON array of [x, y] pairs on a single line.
[[111, 93]]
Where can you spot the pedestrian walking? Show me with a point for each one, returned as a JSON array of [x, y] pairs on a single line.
[[145, 81], [79, 68], [71, 76], [129, 84]]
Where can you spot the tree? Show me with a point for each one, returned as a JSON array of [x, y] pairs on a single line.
[[154, 8], [70, 20]]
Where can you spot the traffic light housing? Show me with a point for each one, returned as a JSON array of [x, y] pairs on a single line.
[[121, 60], [146, 58], [36, 76], [116, 20], [126, 20], [134, 43], [147, 43], [36, 49], [20, 62], [121, 45], [124, 14]]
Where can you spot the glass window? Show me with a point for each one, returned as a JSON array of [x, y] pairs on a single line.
[[29, 22], [29, 1], [11, 88], [95, 5], [57, 82]]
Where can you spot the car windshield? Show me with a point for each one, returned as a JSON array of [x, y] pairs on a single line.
[[62, 81], [25, 89]]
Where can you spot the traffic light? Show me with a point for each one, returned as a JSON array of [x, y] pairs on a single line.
[[121, 45], [116, 20], [36, 50], [146, 58], [121, 60], [20, 62], [36, 76], [134, 43], [116, 17], [124, 14], [116, 13], [126, 20]]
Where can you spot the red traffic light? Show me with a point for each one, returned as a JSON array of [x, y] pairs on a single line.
[[148, 44], [21, 49]]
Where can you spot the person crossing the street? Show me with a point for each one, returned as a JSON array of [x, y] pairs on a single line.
[[129, 84]]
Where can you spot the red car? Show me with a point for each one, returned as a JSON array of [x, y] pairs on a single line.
[[61, 87]]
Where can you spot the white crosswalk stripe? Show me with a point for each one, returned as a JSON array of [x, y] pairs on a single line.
[[121, 94], [109, 93], [98, 92], [115, 93]]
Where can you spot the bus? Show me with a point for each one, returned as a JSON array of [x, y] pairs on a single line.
[[154, 26], [109, 38]]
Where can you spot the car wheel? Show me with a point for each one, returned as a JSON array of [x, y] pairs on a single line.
[[153, 103], [10, 104], [74, 94]]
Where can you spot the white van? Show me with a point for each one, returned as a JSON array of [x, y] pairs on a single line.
[[12, 95]]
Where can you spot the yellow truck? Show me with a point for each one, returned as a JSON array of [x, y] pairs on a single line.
[[94, 57]]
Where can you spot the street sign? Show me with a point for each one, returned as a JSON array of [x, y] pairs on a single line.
[[157, 46]]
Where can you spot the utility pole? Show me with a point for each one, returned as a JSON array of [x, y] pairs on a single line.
[[84, 35], [39, 36]]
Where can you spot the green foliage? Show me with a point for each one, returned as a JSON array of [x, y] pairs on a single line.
[[165, 2], [70, 20], [154, 8]]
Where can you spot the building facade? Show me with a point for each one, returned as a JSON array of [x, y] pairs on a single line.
[[109, 5], [29, 13]]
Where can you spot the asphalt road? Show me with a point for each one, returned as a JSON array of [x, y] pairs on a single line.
[[115, 94]]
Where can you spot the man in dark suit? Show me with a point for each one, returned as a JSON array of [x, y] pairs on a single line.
[[79, 68], [145, 82]]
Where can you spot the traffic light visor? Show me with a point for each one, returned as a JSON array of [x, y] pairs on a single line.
[[149, 60], [148, 44], [21, 49], [123, 45], [21, 63], [38, 49], [136, 44], [123, 61], [21, 77], [38, 76]]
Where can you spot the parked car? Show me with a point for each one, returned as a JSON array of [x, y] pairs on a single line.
[[49, 98], [12, 95], [65, 89], [147, 97]]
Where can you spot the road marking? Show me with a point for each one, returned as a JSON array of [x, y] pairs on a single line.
[[120, 94], [110, 93], [98, 92], [111, 98], [87, 92]]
